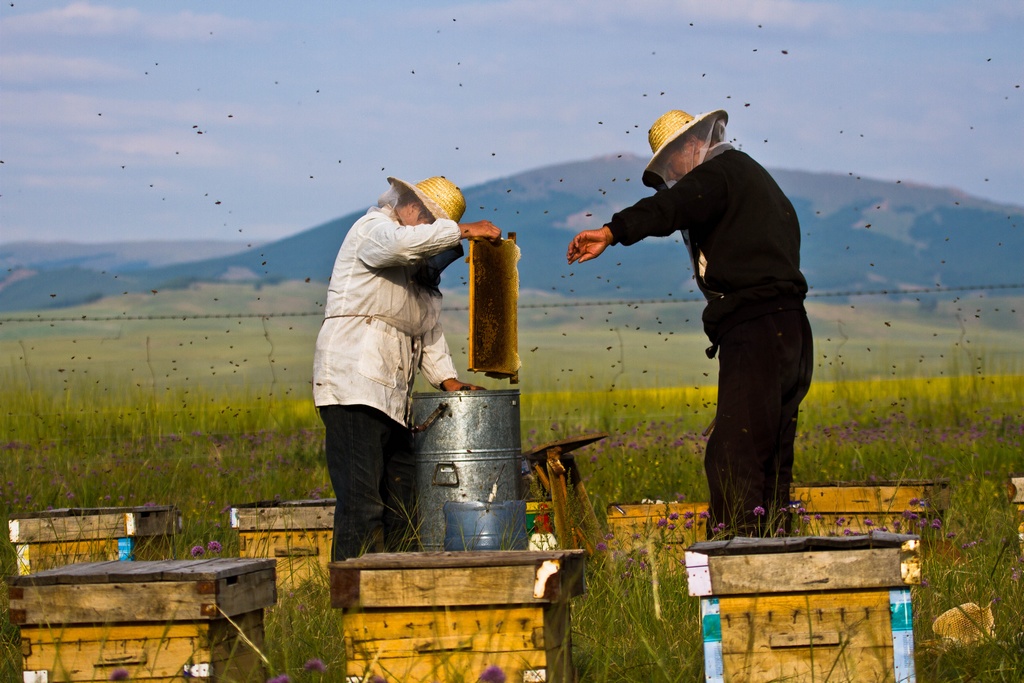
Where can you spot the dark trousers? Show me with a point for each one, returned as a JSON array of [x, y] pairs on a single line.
[[765, 367], [373, 471]]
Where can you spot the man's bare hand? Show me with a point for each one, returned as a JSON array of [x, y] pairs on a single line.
[[588, 244], [484, 230], [457, 385]]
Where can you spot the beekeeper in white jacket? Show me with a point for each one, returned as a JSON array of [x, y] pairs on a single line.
[[381, 324]]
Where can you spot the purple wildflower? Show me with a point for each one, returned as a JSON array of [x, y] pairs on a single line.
[[283, 678], [315, 665], [662, 522], [759, 511], [198, 550], [213, 547], [493, 674], [936, 523], [602, 546], [119, 674]]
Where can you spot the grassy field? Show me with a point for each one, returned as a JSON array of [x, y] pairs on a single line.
[[209, 412]]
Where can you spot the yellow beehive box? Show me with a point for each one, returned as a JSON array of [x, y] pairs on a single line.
[[664, 529], [143, 621], [447, 616], [53, 538], [806, 608], [1015, 490], [835, 508], [297, 534]]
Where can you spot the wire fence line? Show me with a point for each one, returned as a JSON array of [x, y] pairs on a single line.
[[523, 306]]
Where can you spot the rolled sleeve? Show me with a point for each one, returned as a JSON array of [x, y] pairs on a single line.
[[388, 244], [436, 362]]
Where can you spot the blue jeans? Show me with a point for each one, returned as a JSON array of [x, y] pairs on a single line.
[[372, 467]]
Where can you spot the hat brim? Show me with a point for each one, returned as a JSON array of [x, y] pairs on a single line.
[[652, 179], [433, 207]]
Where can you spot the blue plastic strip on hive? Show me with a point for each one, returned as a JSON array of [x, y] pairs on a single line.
[[902, 635], [711, 626]]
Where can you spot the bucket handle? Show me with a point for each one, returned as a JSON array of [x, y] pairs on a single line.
[[445, 474], [441, 408]]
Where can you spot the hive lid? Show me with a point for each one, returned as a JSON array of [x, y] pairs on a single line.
[[92, 512], [742, 545], [144, 571], [307, 502]]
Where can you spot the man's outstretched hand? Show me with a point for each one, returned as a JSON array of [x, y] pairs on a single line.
[[588, 244]]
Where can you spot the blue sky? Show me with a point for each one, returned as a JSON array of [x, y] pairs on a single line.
[[250, 120]]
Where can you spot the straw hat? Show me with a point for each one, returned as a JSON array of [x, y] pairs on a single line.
[[670, 126], [440, 195]]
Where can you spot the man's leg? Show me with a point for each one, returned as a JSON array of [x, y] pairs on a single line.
[[795, 348], [742, 460], [399, 491], [354, 444]]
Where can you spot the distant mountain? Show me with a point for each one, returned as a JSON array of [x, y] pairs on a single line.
[[115, 256], [858, 234]]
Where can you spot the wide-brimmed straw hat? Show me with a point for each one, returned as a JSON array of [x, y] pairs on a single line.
[[441, 196], [670, 126]]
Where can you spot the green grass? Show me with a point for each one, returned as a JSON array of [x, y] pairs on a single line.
[[204, 452], [207, 412]]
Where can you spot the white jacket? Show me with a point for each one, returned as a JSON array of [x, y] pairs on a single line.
[[379, 324]]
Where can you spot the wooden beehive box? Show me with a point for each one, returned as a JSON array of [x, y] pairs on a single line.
[[53, 538], [1015, 490], [447, 616], [806, 608], [297, 533], [907, 506], [156, 620], [664, 529]]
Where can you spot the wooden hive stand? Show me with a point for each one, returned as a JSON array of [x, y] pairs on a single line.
[[158, 621], [806, 608], [53, 538], [447, 616], [298, 534], [576, 524]]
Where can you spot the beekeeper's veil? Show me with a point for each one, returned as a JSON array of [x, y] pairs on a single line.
[[441, 196], [676, 131], [444, 200]]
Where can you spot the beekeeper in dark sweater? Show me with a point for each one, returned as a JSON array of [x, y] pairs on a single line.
[[744, 242]]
